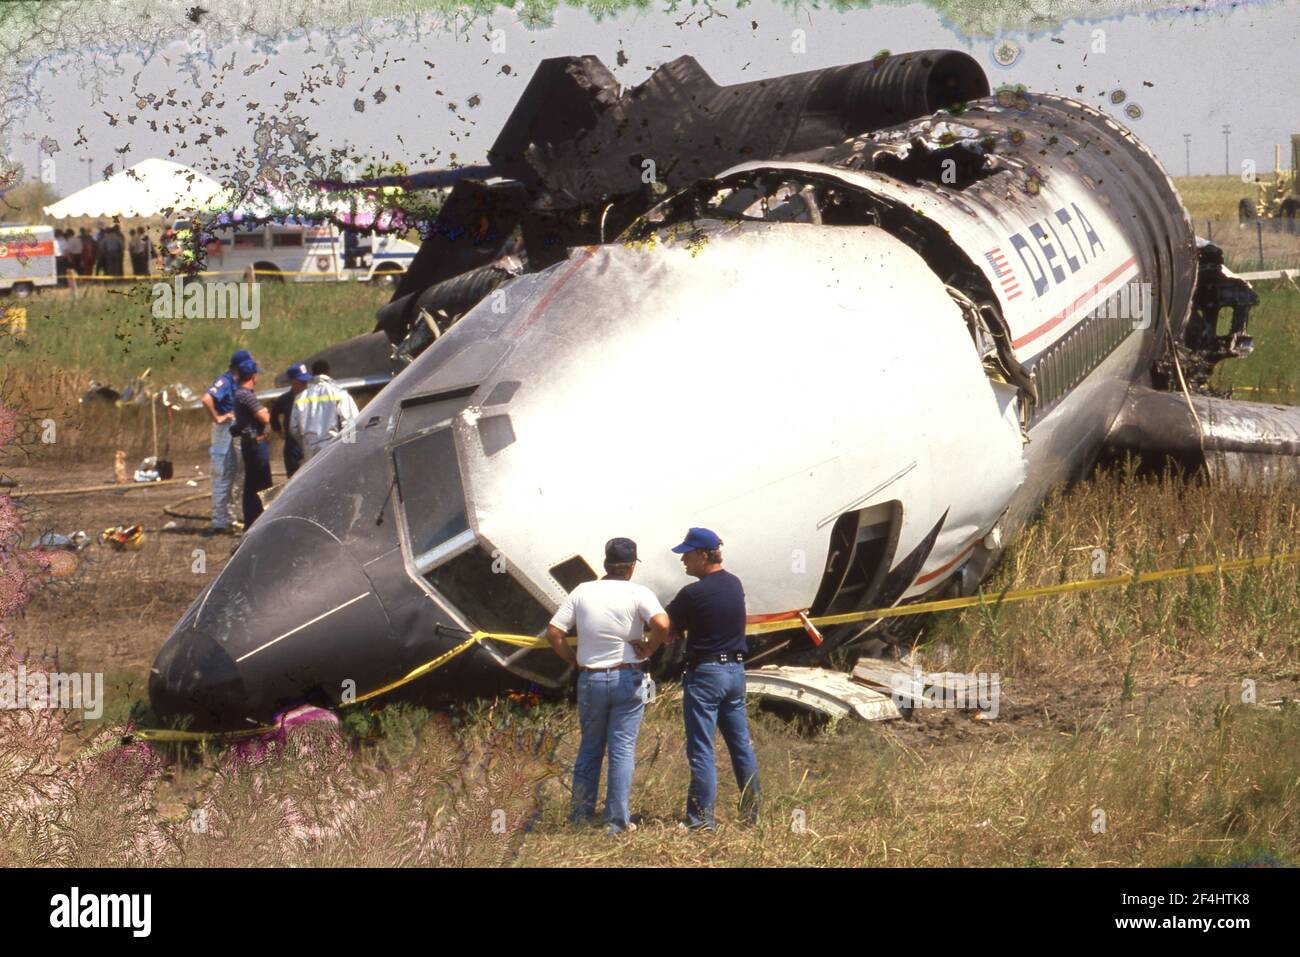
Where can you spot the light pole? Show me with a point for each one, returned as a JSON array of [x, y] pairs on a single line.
[[1227, 171], [88, 161], [1187, 143]]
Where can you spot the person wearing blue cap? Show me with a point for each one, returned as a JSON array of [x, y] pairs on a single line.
[[223, 451], [710, 613], [611, 616], [251, 420], [282, 412], [323, 412]]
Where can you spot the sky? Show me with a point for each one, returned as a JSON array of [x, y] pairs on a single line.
[[429, 91]]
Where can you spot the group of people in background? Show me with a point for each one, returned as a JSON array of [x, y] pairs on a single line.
[[312, 412], [104, 252]]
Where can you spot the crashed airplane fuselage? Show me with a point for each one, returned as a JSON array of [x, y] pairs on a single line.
[[865, 373]]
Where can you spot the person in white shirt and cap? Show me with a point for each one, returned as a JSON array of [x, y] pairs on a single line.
[[611, 615], [321, 412]]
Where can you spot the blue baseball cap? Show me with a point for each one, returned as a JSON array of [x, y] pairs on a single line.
[[298, 372], [698, 538], [239, 357], [247, 369]]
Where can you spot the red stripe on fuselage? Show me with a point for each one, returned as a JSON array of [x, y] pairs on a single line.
[[931, 576], [556, 286], [1073, 307]]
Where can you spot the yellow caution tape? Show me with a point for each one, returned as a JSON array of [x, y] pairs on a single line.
[[164, 734], [1023, 594], [787, 624], [525, 641], [154, 277], [1264, 390]]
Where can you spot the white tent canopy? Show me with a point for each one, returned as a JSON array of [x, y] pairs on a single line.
[[154, 187]]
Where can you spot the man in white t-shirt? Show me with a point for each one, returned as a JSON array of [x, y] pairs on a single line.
[[610, 614]]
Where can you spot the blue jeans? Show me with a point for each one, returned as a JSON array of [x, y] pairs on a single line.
[[714, 697], [610, 705], [224, 469]]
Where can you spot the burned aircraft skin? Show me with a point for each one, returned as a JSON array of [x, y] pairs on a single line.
[[865, 371]]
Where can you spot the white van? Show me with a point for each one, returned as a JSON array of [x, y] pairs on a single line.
[[27, 261], [312, 252]]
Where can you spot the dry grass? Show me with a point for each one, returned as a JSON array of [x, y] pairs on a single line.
[[1213, 197], [1254, 245], [1212, 203], [1176, 785], [109, 335], [1128, 702], [92, 432]]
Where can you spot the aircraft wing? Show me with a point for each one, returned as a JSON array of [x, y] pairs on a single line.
[[1233, 440], [365, 383]]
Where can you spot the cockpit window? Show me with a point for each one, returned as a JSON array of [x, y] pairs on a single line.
[[433, 498], [479, 584]]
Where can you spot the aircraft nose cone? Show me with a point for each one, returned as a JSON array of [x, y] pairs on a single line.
[[195, 676], [291, 618]]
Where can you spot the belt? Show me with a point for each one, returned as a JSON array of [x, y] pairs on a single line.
[[723, 658], [627, 664]]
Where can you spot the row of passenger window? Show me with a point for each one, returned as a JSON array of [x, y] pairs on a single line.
[[1068, 361]]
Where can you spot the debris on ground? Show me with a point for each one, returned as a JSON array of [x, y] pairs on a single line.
[[154, 469], [74, 542], [127, 538]]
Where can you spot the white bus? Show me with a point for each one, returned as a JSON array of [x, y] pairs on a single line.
[[27, 260], [313, 252]]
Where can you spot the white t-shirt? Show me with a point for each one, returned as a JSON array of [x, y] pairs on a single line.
[[609, 613]]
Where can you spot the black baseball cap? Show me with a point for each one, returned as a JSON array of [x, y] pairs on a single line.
[[620, 551]]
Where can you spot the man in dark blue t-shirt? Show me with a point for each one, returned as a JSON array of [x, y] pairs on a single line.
[[249, 429], [711, 614], [282, 412]]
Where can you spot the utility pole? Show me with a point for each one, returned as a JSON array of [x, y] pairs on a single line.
[[1187, 143], [1226, 169], [89, 162]]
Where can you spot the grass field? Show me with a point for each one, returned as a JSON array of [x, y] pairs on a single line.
[[1126, 736], [1212, 203], [1272, 371], [1141, 726], [1213, 197], [111, 334]]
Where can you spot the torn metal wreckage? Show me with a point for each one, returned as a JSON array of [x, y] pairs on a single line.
[[867, 353]]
